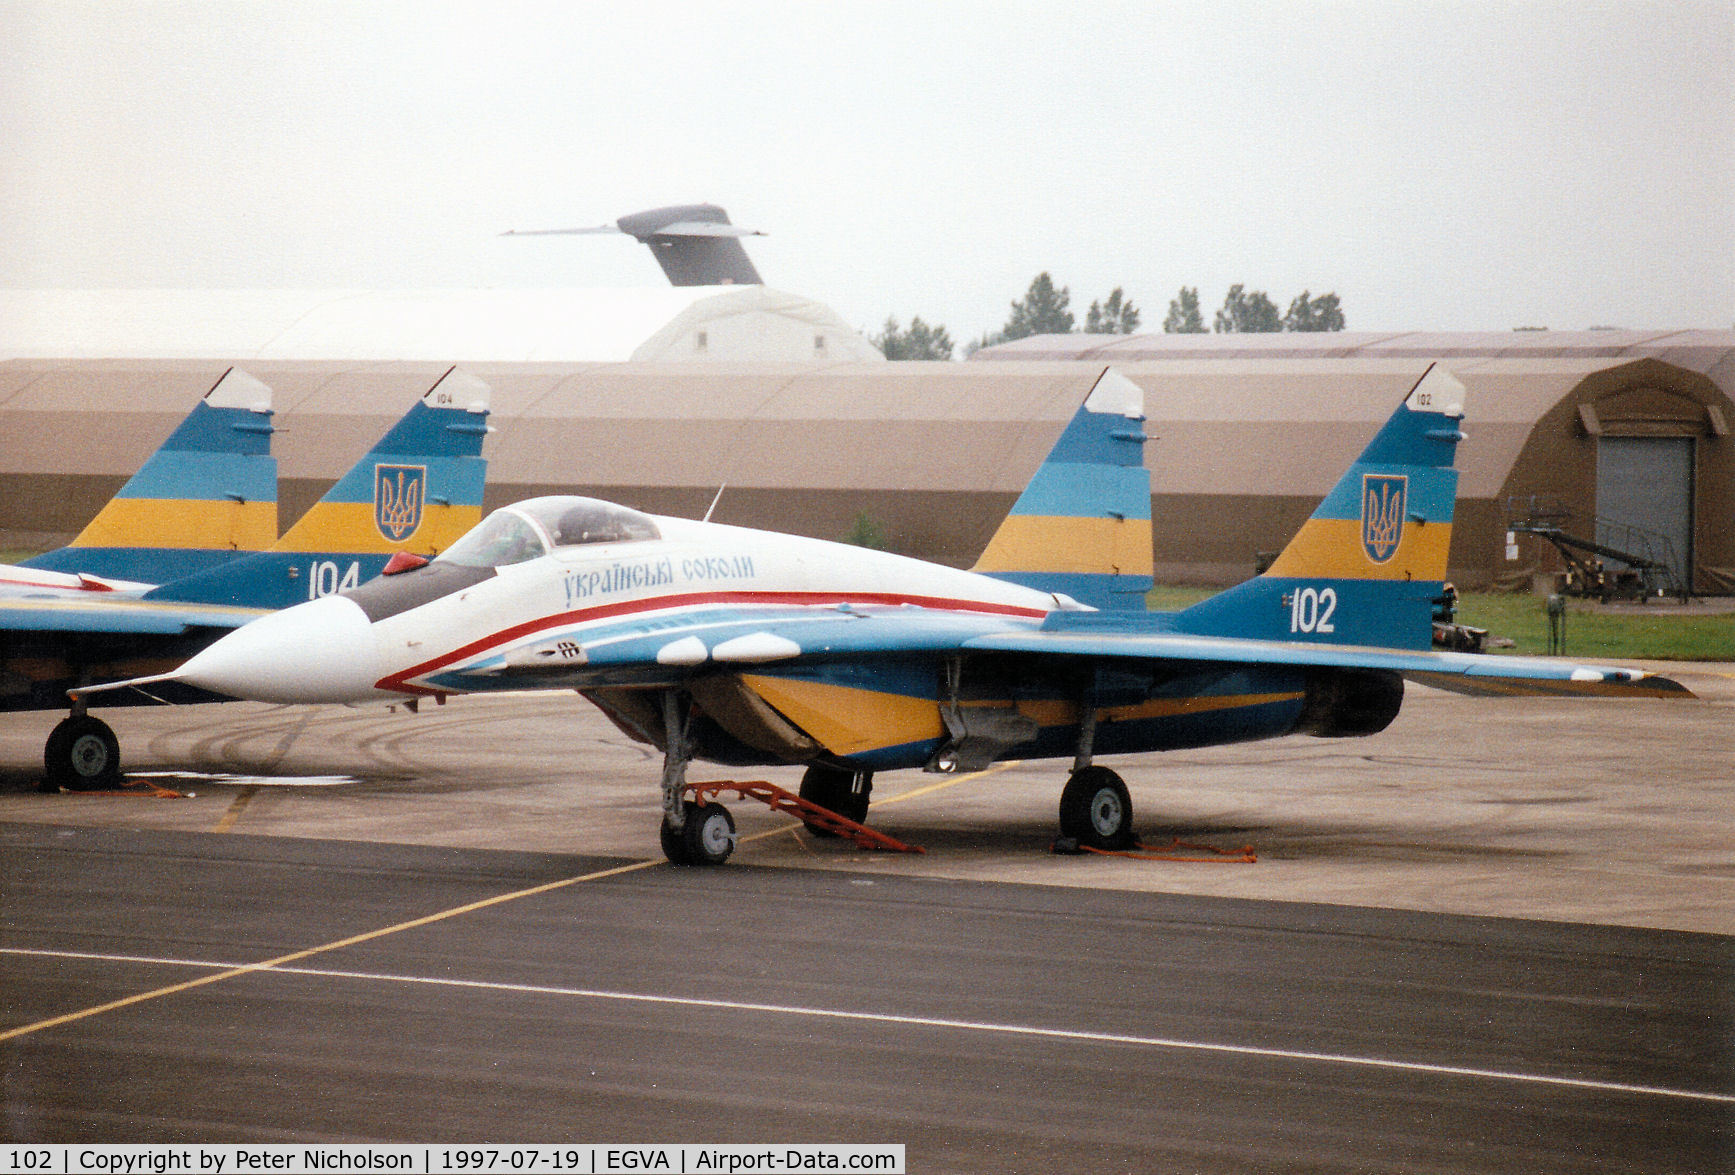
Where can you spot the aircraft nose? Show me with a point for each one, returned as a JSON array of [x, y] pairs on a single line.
[[320, 651]]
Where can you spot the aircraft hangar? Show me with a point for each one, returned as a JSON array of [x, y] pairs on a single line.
[[1248, 431]]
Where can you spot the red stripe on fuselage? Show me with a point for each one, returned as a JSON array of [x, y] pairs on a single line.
[[399, 681]]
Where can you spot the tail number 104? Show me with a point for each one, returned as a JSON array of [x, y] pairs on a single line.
[[325, 579], [1311, 609]]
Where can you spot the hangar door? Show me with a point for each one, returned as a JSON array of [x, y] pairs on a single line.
[[1647, 483]]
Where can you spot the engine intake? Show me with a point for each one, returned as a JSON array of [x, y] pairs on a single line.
[[1350, 703]]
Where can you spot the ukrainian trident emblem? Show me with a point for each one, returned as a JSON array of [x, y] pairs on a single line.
[[399, 491], [1383, 498]]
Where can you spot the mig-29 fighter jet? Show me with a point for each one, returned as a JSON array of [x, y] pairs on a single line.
[[745, 647]]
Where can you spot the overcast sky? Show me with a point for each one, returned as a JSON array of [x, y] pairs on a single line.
[[1451, 166]]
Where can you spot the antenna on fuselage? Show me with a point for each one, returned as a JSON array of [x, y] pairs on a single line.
[[712, 509]]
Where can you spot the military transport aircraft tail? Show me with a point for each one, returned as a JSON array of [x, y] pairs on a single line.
[[208, 495], [1366, 568], [417, 490], [1082, 527]]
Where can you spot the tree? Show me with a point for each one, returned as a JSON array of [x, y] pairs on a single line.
[[1184, 315], [866, 533], [1245, 313], [1042, 312], [1114, 316], [1318, 314], [921, 341]]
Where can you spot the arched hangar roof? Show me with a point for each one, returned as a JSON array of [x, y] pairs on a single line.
[[451, 326]]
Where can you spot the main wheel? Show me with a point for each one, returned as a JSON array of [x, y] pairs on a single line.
[[709, 836], [1096, 809], [82, 753], [837, 789]]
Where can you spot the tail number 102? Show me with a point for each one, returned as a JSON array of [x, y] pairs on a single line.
[[325, 579], [1310, 610]]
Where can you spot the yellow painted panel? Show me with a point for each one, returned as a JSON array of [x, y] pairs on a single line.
[[1331, 548], [1056, 712], [846, 720], [1074, 546], [182, 525], [349, 526]]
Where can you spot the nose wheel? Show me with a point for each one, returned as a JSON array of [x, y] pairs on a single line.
[[706, 836]]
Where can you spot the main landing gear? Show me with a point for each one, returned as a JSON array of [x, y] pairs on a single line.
[[838, 789], [1096, 810], [82, 754]]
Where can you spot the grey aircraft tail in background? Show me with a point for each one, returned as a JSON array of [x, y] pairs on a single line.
[[694, 243]]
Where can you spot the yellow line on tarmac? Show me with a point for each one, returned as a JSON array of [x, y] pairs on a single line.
[[414, 923], [296, 956], [952, 781], [242, 798]]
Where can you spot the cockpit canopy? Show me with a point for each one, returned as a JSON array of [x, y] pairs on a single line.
[[532, 528]]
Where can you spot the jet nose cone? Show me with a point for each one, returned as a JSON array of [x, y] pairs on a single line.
[[321, 651]]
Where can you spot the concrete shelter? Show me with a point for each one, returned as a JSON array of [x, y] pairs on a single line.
[[1248, 433]]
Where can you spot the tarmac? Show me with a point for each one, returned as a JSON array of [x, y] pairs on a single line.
[[1584, 811]]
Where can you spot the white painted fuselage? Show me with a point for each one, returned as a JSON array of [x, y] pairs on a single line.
[[619, 611]]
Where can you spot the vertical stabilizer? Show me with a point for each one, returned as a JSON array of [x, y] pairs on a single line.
[[694, 243], [207, 496], [419, 489], [1366, 567], [1082, 527]]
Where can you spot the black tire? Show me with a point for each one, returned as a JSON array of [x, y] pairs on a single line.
[[837, 789], [1096, 810], [674, 846], [82, 754], [709, 836]]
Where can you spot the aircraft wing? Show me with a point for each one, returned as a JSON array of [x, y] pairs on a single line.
[[669, 653], [754, 637], [1466, 673], [118, 616]]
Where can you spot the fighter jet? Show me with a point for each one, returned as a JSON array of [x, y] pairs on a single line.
[[410, 496], [745, 647]]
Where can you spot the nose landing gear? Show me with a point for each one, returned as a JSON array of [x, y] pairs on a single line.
[[706, 836]]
